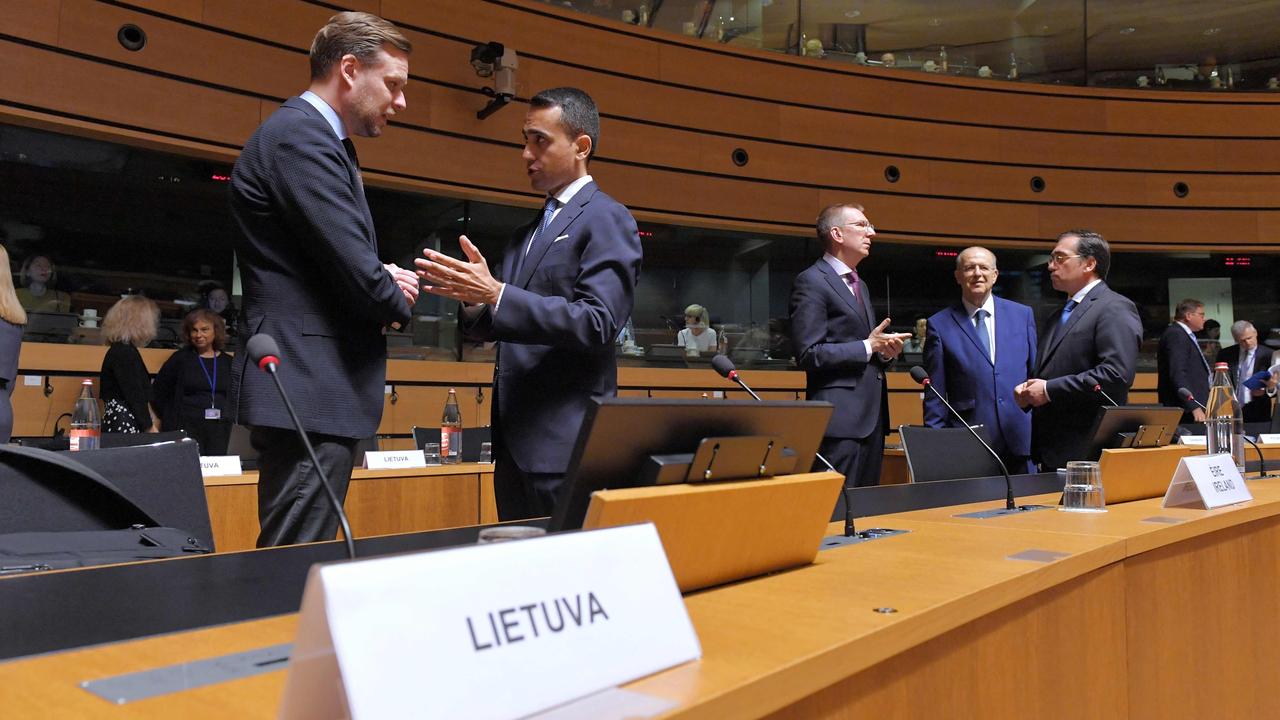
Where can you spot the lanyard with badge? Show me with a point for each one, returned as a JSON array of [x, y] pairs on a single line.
[[212, 412]]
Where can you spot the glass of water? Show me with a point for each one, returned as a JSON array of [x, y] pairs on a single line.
[[486, 452], [431, 451], [1083, 491]]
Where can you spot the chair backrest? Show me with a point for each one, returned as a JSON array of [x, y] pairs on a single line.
[[946, 453], [163, 481], [472, 438]]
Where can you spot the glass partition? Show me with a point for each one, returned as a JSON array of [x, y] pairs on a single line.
[[114, 220], [1173, 45]]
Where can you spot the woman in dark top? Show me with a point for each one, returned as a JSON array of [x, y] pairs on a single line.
[[191, 388], [126, 385], [12, 318]]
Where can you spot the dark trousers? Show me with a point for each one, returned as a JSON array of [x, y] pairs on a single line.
[[519, 494], [292, 506], [858, 459]]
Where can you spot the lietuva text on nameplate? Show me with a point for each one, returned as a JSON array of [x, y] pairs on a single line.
[[1193, 440], [487, 631], [214, 465], [1206, 481], [1269, 438], [391, 459]]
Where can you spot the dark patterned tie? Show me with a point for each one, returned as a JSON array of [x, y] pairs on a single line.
[[547, 211], [980, 326], [355, 162]]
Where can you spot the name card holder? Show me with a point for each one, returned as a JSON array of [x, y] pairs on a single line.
[[219, 465], [392, 459], [1269, 439], [1206, 482], [502, 630]]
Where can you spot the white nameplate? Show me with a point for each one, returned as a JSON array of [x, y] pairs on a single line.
[[1194, 440], [1207, 482], [486, 631], [390, 459], [1269, 439], [214, 465], [33, 380]]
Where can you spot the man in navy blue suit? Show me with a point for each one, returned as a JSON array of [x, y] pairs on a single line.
[[1180, 364], [842, 350], [1091, 343], [565, 288], [312, 278], [976, 352]]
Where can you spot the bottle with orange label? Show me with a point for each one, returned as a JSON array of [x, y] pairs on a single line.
[[451, 430], [86, 421]]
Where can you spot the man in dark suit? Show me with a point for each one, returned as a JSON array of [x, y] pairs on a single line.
[[312, 277], [1180, 364], [976, 352], [565, 288], [842, 350], [1245, 359], [1092, 342]]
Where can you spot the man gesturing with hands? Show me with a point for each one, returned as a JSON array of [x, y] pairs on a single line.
[[565, 286], [842, 351]]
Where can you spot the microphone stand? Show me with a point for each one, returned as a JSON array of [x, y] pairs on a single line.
[[1010, 505], [324, 481], [851, 534]]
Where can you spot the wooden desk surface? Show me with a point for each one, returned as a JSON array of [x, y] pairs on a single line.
[[250, 477], [963, 609]]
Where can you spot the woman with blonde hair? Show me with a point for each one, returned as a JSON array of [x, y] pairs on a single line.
[[697, 333], [126, 387], [12, 318]]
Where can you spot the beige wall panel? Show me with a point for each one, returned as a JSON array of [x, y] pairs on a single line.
[[90, 27], [70, 85], [1178, 226], [289, 22], [187, 9], [952, 217], [905, 408], [1194, 117], [32, 19]]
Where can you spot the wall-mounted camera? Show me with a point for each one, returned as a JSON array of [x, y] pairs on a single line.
[[493, 60]]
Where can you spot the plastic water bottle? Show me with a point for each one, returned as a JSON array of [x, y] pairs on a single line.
[[86, 421], [1225, 420], [451, 430]]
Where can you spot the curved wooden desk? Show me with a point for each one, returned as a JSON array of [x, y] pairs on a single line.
[[1148, 613]]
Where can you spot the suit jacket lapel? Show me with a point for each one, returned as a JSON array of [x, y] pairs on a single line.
[[1058, 332], [840, 287], [960, 314], [559, 224]]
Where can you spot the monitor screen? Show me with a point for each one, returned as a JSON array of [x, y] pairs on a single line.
[[619, 434], [1112, 421]]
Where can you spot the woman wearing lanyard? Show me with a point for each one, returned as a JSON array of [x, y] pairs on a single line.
[[191, 388]]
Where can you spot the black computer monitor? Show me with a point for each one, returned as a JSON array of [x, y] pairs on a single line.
[[1132, 426], [620, 434]]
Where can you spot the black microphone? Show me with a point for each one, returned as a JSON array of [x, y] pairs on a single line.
[[1184, 395], [919, 375], [723, 365], [264, 353], [1098, 389]]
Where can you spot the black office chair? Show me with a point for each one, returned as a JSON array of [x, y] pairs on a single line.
[[946, 453], [164, 481], [471, 440]]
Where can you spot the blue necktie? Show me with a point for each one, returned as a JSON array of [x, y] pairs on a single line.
[[980, 326], [1066, 312], [547, 211]]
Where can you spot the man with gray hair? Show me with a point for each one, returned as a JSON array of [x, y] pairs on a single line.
[[976, 352], [1245, 359], [1092, 343]]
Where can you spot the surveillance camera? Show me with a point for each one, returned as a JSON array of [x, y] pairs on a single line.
[[484, 56]]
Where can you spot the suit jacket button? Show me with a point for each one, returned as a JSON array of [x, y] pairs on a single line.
[[879, 376]]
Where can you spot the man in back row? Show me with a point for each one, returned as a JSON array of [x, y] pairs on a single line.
[[1180, 364]]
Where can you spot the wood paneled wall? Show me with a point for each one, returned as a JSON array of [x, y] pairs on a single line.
[[674, 110]]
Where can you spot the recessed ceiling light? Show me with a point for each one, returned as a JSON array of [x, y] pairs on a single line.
[[1128, 30], [1212, 31], [935, 22], [852, 13]]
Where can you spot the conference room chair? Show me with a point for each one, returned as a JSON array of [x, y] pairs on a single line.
[[946, 453]]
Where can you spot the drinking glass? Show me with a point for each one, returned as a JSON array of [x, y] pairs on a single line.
[[1083, 490]]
